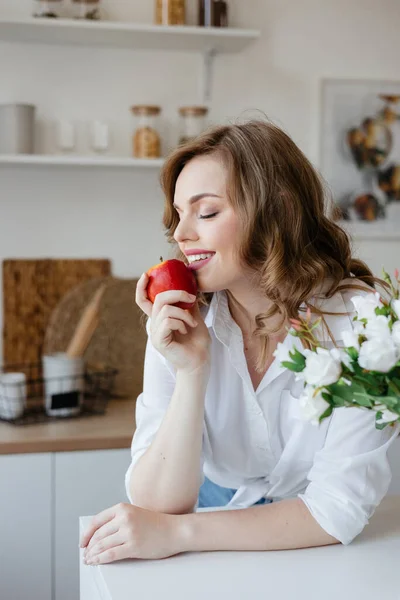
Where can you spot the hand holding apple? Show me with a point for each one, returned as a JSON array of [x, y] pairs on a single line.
[[166, 293]]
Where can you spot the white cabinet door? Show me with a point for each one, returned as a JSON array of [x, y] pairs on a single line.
[[85, 484], [25, 527]]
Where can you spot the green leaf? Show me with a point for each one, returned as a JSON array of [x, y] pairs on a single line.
[[352, 352], [292, 366], [349, 395], [326, 414], [298, 358], [377, 418], [327, 396]]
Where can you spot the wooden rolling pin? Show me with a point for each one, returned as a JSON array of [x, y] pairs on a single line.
[[87, 326]]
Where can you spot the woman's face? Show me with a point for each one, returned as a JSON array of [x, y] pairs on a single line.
[[207, 223]]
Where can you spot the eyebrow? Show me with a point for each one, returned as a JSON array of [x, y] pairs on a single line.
[[198, 197]]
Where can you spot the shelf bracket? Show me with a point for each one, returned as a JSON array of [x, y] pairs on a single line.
[[207, 72]]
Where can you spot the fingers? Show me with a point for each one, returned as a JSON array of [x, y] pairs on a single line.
[[97, 522], [103, 532], [106, 550], [141, 295], [169, 325], [170, 297], [173, 312], [118, 552]]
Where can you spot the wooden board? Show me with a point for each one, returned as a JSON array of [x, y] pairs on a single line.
[[31, 291], [120, 338]]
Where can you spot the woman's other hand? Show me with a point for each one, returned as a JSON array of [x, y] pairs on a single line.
[[127, 531]]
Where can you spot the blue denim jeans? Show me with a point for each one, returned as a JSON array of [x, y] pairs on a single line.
[[211, 494]]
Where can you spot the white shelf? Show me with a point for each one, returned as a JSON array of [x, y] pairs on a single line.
[[125, 35], [382, 229], [80, 161]]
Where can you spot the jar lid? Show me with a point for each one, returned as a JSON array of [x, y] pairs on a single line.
[[193, 111], [145, 109]]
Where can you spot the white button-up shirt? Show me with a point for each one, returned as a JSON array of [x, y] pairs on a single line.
[[258, 442]]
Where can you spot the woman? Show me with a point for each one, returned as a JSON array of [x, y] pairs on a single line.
[[218, 421]]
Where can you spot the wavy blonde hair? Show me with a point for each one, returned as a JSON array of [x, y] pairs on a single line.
[[287, 239]]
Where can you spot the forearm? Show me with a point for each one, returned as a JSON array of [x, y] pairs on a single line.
[[283, 525], [168, 476]]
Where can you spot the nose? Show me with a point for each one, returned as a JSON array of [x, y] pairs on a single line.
[[185, 231]]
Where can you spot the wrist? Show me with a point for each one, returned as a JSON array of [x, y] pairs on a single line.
[[200, 373], [184, 532]]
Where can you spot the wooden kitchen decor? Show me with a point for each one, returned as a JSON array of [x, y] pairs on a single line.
[[31, 291], [119, 340]]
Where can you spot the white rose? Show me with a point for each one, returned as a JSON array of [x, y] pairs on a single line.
[[365, 305], [377, 327], [358, 327], [387, 415], [341, 356], [282, 353], [312, 406], [378, 354], [396, 307], [396, 334], [322, 368], [350, 339]]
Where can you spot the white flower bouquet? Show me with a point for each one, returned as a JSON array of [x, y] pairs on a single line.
[[364, 373]]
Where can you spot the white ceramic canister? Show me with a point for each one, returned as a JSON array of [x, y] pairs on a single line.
[[64, 384], [17, 128]]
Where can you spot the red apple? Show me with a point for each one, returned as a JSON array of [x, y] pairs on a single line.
[[171, 275]]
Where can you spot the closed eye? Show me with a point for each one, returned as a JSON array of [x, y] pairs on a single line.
[[208, 216]]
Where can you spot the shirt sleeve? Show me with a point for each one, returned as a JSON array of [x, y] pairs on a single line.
[[151, 405], [350, 474]]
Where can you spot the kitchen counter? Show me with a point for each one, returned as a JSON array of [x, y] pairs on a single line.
[[363, 569], [114, 429]]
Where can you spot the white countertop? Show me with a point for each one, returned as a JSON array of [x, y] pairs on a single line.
[[363, 570]]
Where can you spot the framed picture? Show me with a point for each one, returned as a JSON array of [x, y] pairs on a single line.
[[360, 145]]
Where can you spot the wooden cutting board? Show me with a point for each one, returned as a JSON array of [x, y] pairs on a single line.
[[31, 291], [120, 338]]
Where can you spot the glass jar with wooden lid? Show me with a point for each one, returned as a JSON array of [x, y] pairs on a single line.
[[192, 122], [86, 9], [170, 12], [146, 140]]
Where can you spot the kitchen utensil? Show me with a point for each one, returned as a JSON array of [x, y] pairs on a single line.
[[86, 326], [120, 338]]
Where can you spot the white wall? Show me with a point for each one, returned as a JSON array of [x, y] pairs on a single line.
[[89, 212]]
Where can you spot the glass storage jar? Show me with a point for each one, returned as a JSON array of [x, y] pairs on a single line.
[[170, 12], [213, 13], [86, 9], [47, 8], [192, 122], [146, 140]]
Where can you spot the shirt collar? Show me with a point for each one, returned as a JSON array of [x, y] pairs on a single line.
[[219, 318]]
